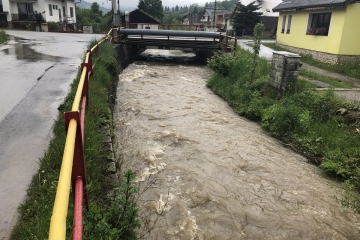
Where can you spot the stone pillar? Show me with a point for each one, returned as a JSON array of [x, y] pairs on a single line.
[[284, 69]]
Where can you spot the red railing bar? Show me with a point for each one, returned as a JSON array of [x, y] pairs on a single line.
[[78, 209]]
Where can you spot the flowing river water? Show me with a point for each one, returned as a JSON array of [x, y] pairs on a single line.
[[206, 173]]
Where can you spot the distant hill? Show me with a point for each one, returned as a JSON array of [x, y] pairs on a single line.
[[87, 5]]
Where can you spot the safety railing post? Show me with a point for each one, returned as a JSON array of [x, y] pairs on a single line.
[[226, 43]]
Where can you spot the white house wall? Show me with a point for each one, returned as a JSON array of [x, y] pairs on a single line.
[[6, 8], [42, 6]]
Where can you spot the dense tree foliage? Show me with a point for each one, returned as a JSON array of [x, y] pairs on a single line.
[[246, 17], [94, 16], [152, 7]]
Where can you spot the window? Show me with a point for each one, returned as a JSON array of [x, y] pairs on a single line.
[[64, 12], [53, 6], [283, 24], [56, 7], [71, 12], [50, 10], [319, 24], [289, 24]]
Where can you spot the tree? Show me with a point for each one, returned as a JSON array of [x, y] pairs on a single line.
[[246, 17], [176, 8], [141, 5], [152, 7]]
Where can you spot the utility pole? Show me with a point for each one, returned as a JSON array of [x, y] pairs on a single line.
[[214, 14]]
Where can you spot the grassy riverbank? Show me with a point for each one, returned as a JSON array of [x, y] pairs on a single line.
[[3, 37], [348, 69], [307, 121], [112, 216]]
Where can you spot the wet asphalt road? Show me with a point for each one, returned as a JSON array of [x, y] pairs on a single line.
[[36, 70]]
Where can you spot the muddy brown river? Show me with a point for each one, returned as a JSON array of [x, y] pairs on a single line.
[[206, 173]]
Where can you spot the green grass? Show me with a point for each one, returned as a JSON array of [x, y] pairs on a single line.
[[36, 211], [3, 37], [273, 46], [307, 121], [349, 69], [332, 81]]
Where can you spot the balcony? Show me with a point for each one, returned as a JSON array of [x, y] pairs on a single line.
[[23, 17]]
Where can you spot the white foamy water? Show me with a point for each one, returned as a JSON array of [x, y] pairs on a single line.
[[210, 174]]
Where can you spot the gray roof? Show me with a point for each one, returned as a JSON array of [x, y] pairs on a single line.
[[266, 6], [303, 4]]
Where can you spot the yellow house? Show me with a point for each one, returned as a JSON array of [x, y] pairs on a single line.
[[329, 30]]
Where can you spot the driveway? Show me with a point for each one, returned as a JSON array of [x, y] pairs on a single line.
[[36, 70]]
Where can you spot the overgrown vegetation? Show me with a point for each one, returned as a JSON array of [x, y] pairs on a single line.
[[53, 26], [3, 37], [316, 124], [351, 69], [95, 17], [111, 216]]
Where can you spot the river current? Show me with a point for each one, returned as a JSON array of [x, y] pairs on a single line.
[[206, 173]]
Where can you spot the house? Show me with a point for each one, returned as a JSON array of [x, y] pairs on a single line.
[[326, 29], [221, 17], [192, 19], [139, 20], [13, 11], [269, 18]]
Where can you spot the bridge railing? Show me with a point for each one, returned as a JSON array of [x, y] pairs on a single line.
[[72, 172], [183, 27], [226, 41]]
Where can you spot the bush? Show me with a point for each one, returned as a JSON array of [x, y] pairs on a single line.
[[53, 26], [220, 63], [284, 119], [3, 37]]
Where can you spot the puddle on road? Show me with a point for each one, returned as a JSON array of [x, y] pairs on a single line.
[[20, 47]]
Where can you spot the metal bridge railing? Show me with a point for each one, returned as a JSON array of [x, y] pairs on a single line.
[[224, 40], [72, 170]]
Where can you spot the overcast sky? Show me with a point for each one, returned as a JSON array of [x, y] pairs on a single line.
[[126, 4]]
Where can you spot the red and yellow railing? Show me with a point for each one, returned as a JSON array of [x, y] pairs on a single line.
[[72, 172]]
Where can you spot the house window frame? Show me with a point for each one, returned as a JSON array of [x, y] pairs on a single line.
[[71, 12], [50, 10], [288, 24], [283, 24], [323, 28]]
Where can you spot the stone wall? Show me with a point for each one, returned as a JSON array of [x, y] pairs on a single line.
[[284, 69], [321, 56]]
